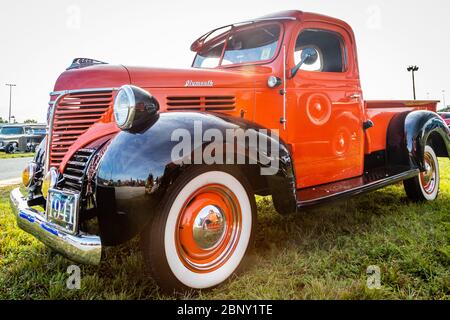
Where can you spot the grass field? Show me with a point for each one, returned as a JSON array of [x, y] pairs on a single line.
[[4, 155], [322, 253]]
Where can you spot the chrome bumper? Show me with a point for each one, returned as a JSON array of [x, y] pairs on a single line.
[[83, 249]]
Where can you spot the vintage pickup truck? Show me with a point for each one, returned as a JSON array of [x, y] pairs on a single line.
[[107, 171]]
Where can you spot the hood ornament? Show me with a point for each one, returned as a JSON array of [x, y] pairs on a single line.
[[191, 83]]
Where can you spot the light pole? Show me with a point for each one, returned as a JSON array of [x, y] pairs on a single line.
[[443, 97], [413, 69], [10, 85]]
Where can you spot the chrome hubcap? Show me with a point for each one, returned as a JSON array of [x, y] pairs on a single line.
[[209, 227], [428, 174], [428, 177]]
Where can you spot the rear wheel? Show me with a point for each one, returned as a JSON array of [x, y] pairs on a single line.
[[425, 187], [202, 231]]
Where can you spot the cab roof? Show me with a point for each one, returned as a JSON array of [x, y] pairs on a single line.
[[282, 15], [302, 16]]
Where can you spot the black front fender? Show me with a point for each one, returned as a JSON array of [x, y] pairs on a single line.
[[137, 169]]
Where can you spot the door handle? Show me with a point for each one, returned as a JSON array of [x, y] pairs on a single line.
[[355, 96]]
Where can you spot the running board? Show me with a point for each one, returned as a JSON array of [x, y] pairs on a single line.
[[370, 181]]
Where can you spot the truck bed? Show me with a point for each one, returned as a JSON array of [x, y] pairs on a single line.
[[430, 105], [381, 113]]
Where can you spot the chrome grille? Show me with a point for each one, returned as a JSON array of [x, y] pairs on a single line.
[[74, 114]]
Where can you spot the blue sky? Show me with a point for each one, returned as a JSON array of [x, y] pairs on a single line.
[[40, 38]]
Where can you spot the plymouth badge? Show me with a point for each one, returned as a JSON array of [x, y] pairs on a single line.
[[191, 83]]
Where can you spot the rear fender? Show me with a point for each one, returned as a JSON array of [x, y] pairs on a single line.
[[408, 134]]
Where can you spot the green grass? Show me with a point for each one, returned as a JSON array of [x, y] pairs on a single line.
[[322, 253], [4, 155]]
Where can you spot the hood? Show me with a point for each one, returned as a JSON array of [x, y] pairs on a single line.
[[111, 76], [193, 77], [99, 76]]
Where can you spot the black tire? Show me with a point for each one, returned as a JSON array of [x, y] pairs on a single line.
[[10, 148], [166, 251], [425, 187]]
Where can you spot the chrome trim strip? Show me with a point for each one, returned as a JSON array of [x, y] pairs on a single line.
[[49, 133], [52, 105], [58, 93], [85, 249]]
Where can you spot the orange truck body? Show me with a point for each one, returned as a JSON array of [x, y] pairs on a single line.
[[321, 153]]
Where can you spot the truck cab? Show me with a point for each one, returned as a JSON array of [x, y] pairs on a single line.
[[323, 98], [271, 106]]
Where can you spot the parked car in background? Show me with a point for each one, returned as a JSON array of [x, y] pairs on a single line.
[[446, 117], [21, 137]]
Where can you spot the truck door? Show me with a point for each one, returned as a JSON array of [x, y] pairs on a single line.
[[325, 108]]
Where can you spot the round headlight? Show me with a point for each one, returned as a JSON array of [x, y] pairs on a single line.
[[28, 174], [49, 182], [124, 107], [134, 108]]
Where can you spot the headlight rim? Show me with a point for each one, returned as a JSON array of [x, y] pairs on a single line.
[[53, 173], [127, 89], [143, 108], [31, 170]]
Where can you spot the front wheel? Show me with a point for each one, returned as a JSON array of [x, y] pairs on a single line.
[[203, 230], [10, 148], [425, 187]]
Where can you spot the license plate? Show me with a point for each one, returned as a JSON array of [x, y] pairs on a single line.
[[62, 210]]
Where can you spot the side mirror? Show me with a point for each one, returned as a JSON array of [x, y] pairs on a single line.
[[309, 56]]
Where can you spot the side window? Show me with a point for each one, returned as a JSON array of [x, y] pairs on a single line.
[[329, 46]]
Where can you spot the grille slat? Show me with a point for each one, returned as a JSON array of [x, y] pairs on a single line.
[[77, 121], [76, 163], [84, 112], [75, 172], [201, 103], [86, 100], [74, 114]]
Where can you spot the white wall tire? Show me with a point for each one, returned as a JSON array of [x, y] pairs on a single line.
[[166, 244], [425, 187]]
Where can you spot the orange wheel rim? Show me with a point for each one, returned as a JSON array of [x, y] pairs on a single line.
[[208, 228], [428, 177]]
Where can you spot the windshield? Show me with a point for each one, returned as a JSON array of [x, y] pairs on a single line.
[[242, 46], [39, 131], [11, 130]]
